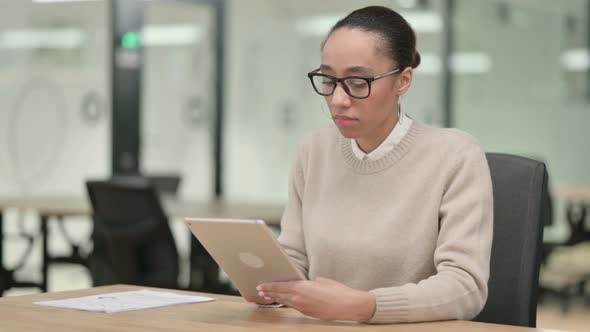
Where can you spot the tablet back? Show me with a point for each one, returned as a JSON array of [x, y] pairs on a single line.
[[246, 250]]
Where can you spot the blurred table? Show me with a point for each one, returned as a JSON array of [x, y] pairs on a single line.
[[174, 207], [59, 207], [226, 313], [574, 193]]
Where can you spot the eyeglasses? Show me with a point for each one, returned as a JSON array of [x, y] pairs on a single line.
[[358, 87]]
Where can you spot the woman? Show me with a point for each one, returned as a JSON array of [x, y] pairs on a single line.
[[390, 219]]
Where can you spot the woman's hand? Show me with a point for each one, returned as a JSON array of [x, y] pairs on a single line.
[[321, 298]]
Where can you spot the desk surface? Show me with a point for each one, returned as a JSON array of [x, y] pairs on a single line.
[[573, 193], [175, 207], [228, 313]]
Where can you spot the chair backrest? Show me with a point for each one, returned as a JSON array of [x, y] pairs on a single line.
[[520, 192], [132, 239], [166, 184], [163, 183]]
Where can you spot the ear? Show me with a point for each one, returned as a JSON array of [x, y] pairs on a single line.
[[404, 81]]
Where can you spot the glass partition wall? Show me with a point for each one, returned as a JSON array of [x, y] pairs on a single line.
[[270, 103], [521, 85], [178, 94], [55, 122], [54, 96]]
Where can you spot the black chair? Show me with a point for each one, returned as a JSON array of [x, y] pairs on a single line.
[[163, 183], [520, 191], [132, 239], [8, 275]]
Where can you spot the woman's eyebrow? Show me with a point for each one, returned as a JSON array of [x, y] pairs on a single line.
[[350, 70], [358, 70], [325, 67]]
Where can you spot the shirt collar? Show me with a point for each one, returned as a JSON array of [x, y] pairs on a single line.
[[394, 137]]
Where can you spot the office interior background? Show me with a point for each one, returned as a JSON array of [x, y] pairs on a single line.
[[217, 92]]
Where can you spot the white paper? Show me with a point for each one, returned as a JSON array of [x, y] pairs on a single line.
[[125, 301], [273, 305]]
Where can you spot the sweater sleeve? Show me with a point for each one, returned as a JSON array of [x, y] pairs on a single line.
[[462, 256], [292, 238]]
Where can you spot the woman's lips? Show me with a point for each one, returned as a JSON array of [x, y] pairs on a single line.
[[344, 121]]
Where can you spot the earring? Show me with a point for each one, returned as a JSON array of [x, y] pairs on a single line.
[[399, 113]]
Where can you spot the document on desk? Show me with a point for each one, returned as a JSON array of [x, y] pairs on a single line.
[[125, 301]]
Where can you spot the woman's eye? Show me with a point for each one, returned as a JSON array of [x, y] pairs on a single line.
[[357, 83]]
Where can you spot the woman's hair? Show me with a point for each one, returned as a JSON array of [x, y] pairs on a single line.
[[396, 37]]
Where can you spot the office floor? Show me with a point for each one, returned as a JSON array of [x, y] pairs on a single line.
[[72, 277]]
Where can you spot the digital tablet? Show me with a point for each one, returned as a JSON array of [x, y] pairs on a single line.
[[246, 250]]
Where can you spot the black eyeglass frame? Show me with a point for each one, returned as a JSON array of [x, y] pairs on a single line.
[[369, 80]]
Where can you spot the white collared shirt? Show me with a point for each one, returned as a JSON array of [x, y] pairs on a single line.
[[399, 131]]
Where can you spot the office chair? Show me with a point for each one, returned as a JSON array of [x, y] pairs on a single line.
[[520, 190], [163, 183], [132, 239], [7, 275]]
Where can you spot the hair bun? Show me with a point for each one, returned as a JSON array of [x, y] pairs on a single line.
[[416, 59]]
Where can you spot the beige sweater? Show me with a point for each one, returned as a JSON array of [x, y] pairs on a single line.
[[414, 227]]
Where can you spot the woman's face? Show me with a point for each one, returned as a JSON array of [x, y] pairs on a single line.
[[353, 52]]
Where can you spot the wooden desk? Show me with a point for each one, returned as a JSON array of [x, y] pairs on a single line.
[[228, 313], [573, 193], [59, 207], [174, 207]]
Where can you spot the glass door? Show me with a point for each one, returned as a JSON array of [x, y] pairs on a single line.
[[178, 94]]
